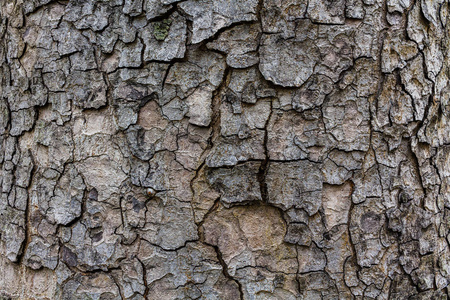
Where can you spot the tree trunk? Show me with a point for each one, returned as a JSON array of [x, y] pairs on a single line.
[[251, 149]]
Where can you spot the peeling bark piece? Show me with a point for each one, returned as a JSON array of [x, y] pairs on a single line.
[[334, 174], [267, 283], [42, 188], [83, 60], [133, 7], [120, 27], [336, 45], [367, 184], [99, 285], [249, 86], [134, 210], [66, 203], [290, 62], [237, 185], [249, 236], [23, 170], [402, 286], [94, 246], [4, 114], [396, 52], [348, 120], [145, 142], [167, 175], [192, 146], [293, 136], [12, 229], [209, 17], [15, 43], [315, 284], [232, 150], [310, 259], [431, 9], [336, 201], [69, 40], [416, 27], [131, 55], [18, 198], [337, 250], [199, 103], [202, 69], [130, 279], [175, 110], [409, 258], [327, 11], [279, 16], [170, 219], [354, 9], [313, 49], [107, 40], [312, 93], [102, 173], [398, 5], [394, 105], [32, 5], [367, 220], [169, 223], [135, 87], [197, 274], [91, 95], [350, 273], [156, 8], [242, 120], [442, 158], [22, 120], [86, 15], [295, 185], [299, 234], [55, 72], [417, 85], [40, 253], [240, 43]]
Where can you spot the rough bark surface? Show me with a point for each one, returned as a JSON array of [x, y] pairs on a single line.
[[245, 149]]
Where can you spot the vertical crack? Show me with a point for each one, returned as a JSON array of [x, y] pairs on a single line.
[[225, 271], [144, 276], [261, 176], [224, 265], [27, 216]]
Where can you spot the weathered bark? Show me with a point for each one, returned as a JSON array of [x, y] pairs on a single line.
[[197, 149]]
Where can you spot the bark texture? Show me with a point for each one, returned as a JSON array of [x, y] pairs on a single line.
[[217, 149]]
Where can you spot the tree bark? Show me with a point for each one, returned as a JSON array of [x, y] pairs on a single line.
[[251, 149]]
